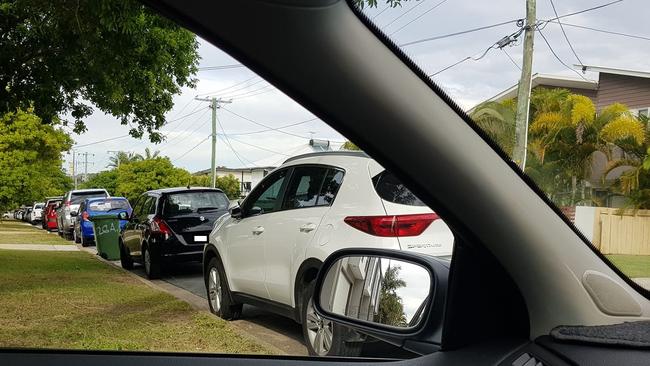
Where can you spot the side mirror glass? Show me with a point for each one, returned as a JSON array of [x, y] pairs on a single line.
[[123, 215], [376, 289], [255, 210]]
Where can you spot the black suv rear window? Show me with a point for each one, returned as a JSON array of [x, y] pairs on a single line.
[[391, 189], [195, 202]]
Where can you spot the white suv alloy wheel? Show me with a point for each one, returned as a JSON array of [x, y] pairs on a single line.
[[214, 288], [319, 331]]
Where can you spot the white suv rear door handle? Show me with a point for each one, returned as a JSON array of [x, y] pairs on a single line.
[[258, 230], [307, 228]]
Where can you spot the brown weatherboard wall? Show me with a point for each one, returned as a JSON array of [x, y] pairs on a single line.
[[632, 91]]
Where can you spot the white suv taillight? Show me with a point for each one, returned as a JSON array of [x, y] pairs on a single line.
[[392, 225]]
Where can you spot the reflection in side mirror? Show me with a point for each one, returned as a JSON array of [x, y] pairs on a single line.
[[254, 211], [235, 212], [375, 289]]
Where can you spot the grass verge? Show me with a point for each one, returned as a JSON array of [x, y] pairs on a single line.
[[16, 232], [71, 300], [633, 266]]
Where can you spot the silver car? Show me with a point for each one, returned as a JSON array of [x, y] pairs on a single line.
[[71, 202]]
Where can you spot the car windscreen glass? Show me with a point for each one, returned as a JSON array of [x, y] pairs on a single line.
[[194, 202], [108, 205], [78, 197], [38, 206], [391, 189]]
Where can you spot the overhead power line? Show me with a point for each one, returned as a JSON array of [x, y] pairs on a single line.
[[403, 14], [381, 12], [275, 128], [192, 149], [465, 59], [434, 38], [236, 90], [634, 36], [558, 57], [220, 67], [227, 141], [263, 125], [229, 87], [258, 147], [234, 96], [557, 17], [102, 141], [511, 59], [418, 17]]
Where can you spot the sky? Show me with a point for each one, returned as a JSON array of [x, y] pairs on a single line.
[[187, 143]]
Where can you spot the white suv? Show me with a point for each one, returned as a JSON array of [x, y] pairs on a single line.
[[268, 250]]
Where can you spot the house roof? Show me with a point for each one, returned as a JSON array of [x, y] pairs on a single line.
[[552, 80], [612, 70]]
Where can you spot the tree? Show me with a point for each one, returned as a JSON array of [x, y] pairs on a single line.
[[122, 157], [349, 145], [66, 56], [229, 184], [106, 179], [30, 159], [135, 178], [497, 119], [391, 306]]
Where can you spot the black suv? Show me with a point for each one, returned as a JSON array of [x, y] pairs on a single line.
[[170, 225]]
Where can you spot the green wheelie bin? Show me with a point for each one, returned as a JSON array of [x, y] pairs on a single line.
[[107, 234]]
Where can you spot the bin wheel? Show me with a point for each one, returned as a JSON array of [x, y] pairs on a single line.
[[151, 263], [76, 237], [84, 242]]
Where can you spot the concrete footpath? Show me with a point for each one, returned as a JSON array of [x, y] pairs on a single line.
[[46, 247]]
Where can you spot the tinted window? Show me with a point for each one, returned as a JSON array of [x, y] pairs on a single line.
[[330, 187], [108, 205], [391, 189], [304, 187], [150, 206], [38, 206], [195, 202], [265, 196], [138, 209], [80, 196]]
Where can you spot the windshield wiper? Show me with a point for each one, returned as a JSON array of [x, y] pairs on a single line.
[[202, 209]]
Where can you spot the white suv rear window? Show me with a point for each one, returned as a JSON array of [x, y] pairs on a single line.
[[391, 189]]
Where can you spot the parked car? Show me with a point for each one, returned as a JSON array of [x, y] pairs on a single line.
[[36, 215], [49, 213], [170, 225], [83, 231], [27, 214], [71, 202], [7, 215], [311, 206]]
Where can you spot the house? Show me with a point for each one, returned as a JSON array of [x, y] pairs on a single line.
[[249, 176], [613, 85], [628, 87]]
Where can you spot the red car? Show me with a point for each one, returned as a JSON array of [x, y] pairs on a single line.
[[49, 214]]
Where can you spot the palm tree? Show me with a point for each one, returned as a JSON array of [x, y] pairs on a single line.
[[122, 157], [497, 120]]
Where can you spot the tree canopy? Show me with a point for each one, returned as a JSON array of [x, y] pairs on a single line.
[[30, 159], [391, 306], [64, 57]]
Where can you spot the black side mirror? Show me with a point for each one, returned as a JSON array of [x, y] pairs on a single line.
[[236, 212], [255, 210], [401, 296], [74, 213]]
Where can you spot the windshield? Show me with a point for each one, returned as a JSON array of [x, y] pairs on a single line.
[[194, 202], [111, 99]]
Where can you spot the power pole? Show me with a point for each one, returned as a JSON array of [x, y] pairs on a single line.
[[85, 162], [74, 168], [523, 91], [214, 104]]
